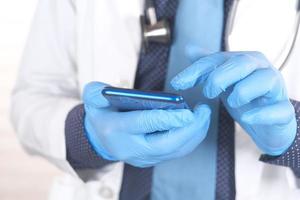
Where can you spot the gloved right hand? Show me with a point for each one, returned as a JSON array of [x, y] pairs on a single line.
[[141, 138]]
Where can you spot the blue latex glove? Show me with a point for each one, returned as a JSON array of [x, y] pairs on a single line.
[[141, 138], [252, 90]]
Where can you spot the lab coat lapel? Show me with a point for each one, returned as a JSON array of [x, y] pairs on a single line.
[[117, 49]]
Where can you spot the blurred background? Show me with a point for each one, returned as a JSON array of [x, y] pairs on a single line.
[[21, 176]]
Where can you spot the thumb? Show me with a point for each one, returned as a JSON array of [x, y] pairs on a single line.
[[203, 116], [202, 112], [92, 95]]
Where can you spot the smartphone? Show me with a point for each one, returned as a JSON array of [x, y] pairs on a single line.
[[131, 99]]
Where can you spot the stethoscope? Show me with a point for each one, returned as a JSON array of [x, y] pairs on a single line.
[[159, 31], [154, 31], [280, 62]]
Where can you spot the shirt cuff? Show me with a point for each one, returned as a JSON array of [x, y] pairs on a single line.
[[291, 158], [80, 152]]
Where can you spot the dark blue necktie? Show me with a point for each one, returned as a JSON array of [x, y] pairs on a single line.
[[225, 184], [152, 67], [151, 74]]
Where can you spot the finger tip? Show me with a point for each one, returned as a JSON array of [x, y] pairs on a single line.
[[202, 108], [235, 101], [211, 92], [208, 94], [231, 102], [175, 85], [179, 85], [205, 92], [92, 94], [174, 81]]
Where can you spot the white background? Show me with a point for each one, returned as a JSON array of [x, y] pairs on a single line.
[[21, 176]]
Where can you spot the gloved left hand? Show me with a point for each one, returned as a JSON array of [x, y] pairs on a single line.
[[253, 92], [141, 138]]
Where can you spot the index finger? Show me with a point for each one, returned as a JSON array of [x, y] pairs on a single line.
[[149, 121], [198, 71]]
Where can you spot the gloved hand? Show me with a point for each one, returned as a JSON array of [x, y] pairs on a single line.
[[253, 92], [141, 138]]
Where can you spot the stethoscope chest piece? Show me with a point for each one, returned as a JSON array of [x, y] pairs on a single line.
[[157, 33], [154, 31]]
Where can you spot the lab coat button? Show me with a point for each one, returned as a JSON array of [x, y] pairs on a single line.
[[106, 192]]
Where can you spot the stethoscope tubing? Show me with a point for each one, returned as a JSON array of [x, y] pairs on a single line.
[[293, 37], [283, 58]]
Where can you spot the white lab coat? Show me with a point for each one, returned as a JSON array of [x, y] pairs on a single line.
[[73, 42]]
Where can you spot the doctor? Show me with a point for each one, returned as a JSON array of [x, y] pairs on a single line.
[[76, 48]]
